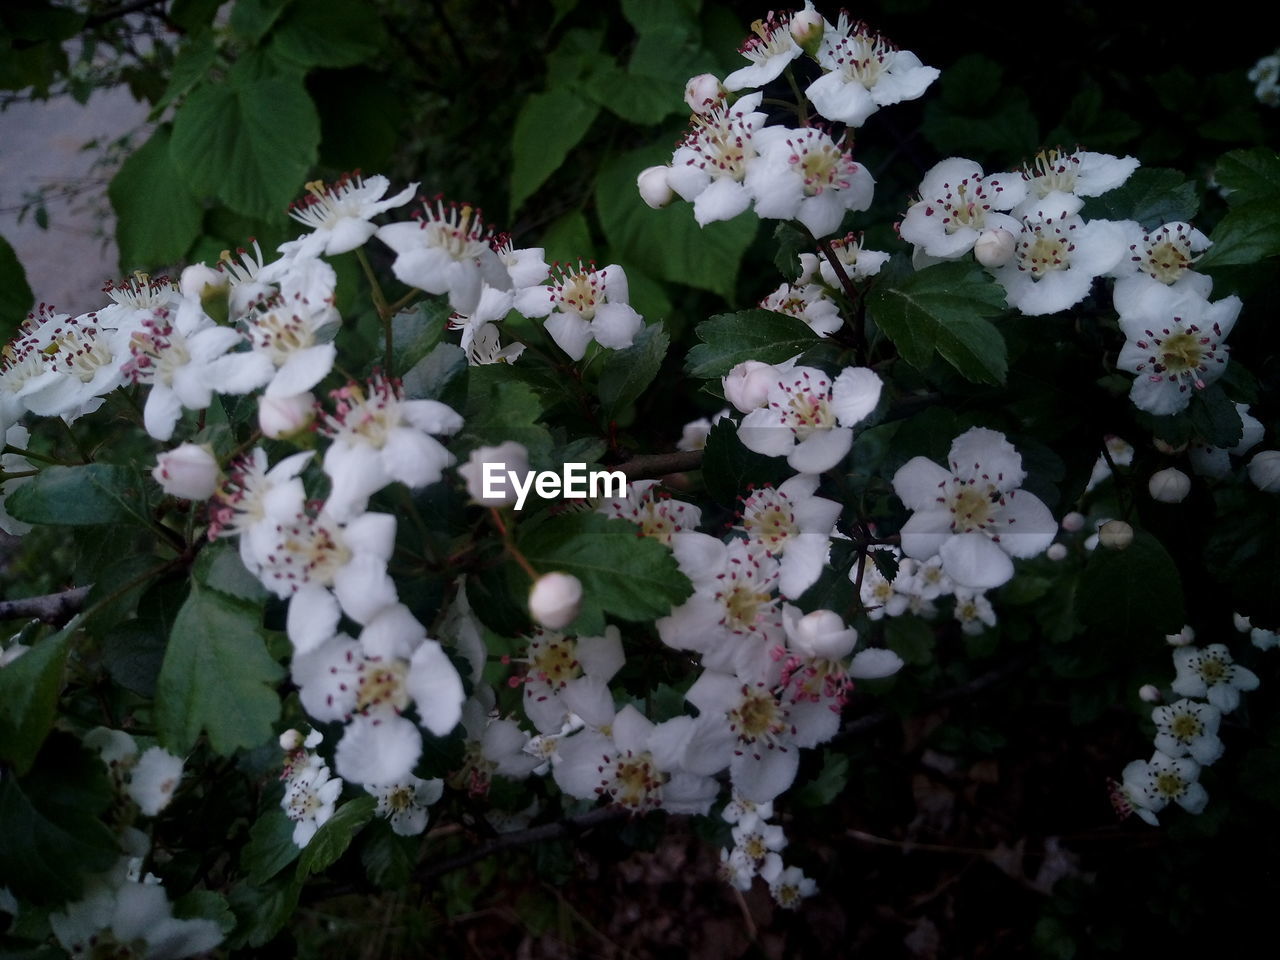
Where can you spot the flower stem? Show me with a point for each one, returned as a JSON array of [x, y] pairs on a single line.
[[380, 304], [32, 455], [509, 545], [850, 291]]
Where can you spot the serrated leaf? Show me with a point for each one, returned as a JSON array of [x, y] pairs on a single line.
[[16, 298], [328, 34], [828, 784], [51, 830], [1131, 593], [500, 409], [635, 578], [548, 126], [262, 912], [251, 19], [205, 905], [1152, 196], [791, 241], [335, 835], [190, 66], [943, 307], [440, 375], [1248, 233], [86, 495], [270, 848], [730, 338], [729, 468], [668, 244], [249, 141], [627, 373], [1249, 175], [220, 568], [1215, 417], [387, 860], [415, 333], [217, 676], [29, 688]]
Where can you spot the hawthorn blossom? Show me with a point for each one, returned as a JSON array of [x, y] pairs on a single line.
[[570, 675], [310, 796], [378, 437], [710, 165], [486, 347], [1264, 471], [803, 175], [339, 213], [747, 385], [491, 307], [974, 611], [957, 204], [1165, 255], [61, 366], [864, 72], [250, 497], [188, 471], [809, 303], [153, 780], [857, 261], [1211, 673], [973, 514], [1053, 176], [792, 522], [770, 48], [493, 746], [122, 917], [653, 510], [1210, 461], [135, 298], [1174, 342], [1151, 784], [582, 304], [1188, 728], [810, 416], [13, 463], [526, 267], [405, 804], [555, 600], [790, 887]]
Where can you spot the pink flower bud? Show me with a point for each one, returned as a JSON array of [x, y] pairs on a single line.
[[1056, 551], [284, 416], [1169, 486], [1149, 693], [1073, 522], [703, 92], [994, 248], [1115, 535], [747, 385], [555, 600], [822, 634], [1264, 471], [806, 28], [189, 471], [290, 740], [653, 187]]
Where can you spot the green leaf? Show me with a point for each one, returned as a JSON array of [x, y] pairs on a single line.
[[95, 493], [1131, 593], [791, 241], [249, 141], [500, 409], [828, 784], [251, 19], [51, 830], [1249, 175], [262, 912], [270, 848], [1243, 551], [568, 239], [16, 298], [648, 16], [386, 857], [205, 905], [1215, 417], [29, 688], [548, 126], [329, 34], [220, 568], [942, 307], [190, 66], [730, 338], [729, 468], [217, 676], [335, 835], [668, 244], [627, 373], [434, 376], [416, 332], [635, 578], [1153, 196], [910, 638], [1248, 233]]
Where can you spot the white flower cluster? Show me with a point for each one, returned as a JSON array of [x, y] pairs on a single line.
[[1265, 76], [755, 852], [149, 779], [1209, 682]]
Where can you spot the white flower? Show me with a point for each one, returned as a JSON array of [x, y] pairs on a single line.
[[704, 92], [957, 206], [243, 504], [134, 298], [570, 676], [405, 804], [509, 457], [694, 434], [1166, 254], [584, 304], [491, 307], [995, 248], [339, 213], [1169, 485], [790, 887], [1188, 728], [555, 600], [309, 799], [285, 416], [1264, 471], [791, 521], [447, 250], [809, 303], [153, 780], [973, 514], [654, 188], [119, 917], [653, 510], [1210, 461], [709, 166], [864, 72], [379, 438], [1150, 785], [1114, 535], [1212, 674], [857, 261], [810, 416], [1174, 342], [487, 348], [803, 175], [770, 47], [974, 611], [747, 385], [189, 471], [1053, 176], [59, 366]]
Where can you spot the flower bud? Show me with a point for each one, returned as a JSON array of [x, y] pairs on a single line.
[[1242, 623], [1264, 471], [555, 600], [290, 740], [199, 281], [1056, 551], [1168, 449], [1073, 522], [1182, 638], [703, 92], [284, 416], [994, 248], [1169, 486], [822, 633], [189, 471], [504, 459], [810, 266], [807, 27], [1149, 693], [1115, 534], [747, 385], [653, 187]]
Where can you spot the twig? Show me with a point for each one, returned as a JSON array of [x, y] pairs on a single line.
[[519, 838], [650, 466], [124, 10], [850, 291], [52, 608]]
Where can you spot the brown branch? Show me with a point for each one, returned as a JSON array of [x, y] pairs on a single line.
[[650, 466], [54, 608], [569, 827], [98, 19]]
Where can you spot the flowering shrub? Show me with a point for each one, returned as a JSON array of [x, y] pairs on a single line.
[[324, 600]]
